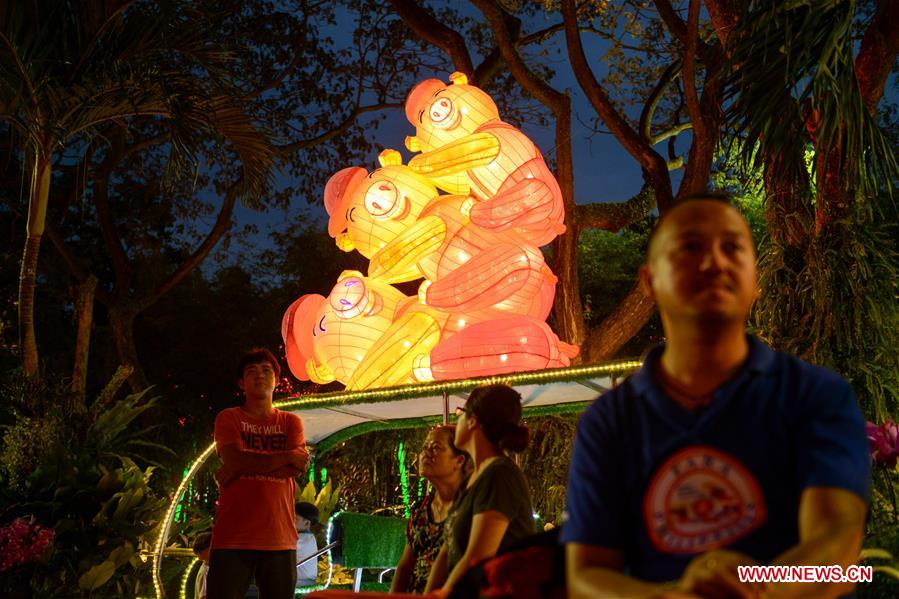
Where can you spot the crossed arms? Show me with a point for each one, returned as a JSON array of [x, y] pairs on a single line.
[[282, 464]]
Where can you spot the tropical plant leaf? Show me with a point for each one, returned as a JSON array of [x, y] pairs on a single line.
[[874, 553], [888, 570], [97, 576], [793, 64]]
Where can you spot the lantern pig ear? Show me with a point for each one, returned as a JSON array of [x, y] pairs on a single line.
[[338, 192], [459, 78], [412, 143], [390, 157], [296, 330]]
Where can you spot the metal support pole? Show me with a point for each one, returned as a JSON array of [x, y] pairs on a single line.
[[445, 407]]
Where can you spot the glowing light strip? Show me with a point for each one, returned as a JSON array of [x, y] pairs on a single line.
[[164, 533], [552, 375], [404, 479], [186, 576]]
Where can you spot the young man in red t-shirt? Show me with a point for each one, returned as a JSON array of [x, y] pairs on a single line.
[[262, 451]]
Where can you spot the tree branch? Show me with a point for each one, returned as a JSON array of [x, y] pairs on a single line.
[[494, 62], [78, 271], [649, 159], [877, 53], [614, 216], [672, 132], [649, 108], [725, 16], [120, 263], [343, 126], [538, 88], [699, 126], [433, 31], [672, 20], [619, 327], [222, 224]]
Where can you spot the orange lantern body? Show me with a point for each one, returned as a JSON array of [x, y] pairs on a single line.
[[500, 346], [459, 133], [467, 268], [367, 211]]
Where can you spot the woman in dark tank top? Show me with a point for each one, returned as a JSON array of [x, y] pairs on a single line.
[[493, 510]]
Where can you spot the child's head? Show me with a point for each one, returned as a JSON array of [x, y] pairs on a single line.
[[202, 544], [307, 515]]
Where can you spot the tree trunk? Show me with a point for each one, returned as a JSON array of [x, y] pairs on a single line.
[[122, 321], [619, 327], [84, 315], [568, 310], [37, 215]]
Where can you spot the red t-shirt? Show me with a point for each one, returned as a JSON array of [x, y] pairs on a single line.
[[256, 511]]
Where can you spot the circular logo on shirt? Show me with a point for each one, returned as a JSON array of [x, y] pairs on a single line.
[[700, 499]]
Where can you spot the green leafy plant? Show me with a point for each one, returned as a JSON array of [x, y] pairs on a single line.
[[325, 500], [85, 483]]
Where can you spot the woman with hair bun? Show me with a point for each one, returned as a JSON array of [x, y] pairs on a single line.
[[493, 510]]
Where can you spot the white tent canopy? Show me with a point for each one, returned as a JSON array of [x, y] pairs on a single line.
[[325, 415]]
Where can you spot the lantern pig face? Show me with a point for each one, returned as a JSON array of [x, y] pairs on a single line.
[[367, 211], [327, 338]]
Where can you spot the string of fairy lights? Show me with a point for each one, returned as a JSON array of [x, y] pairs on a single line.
[[613, 370]]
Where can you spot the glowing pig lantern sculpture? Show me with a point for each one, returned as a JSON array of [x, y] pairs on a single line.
[[486, 290]]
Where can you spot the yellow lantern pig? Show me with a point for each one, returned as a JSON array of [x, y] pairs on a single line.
[[327, 338], [458, 130], [366, 211]]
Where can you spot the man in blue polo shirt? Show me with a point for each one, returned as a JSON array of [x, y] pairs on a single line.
[[719, 452]]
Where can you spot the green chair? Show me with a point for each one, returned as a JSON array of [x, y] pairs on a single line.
[[365, 541]]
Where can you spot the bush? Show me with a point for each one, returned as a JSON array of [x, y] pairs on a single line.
[[73, 472]]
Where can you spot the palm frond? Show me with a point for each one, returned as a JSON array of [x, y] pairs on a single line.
[[795, 59], [113, 62]]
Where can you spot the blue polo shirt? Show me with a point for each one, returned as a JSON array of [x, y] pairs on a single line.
[[661, 484]]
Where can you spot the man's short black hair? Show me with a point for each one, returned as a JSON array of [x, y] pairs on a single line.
[[202, 541], [715, 196], [258, 355]]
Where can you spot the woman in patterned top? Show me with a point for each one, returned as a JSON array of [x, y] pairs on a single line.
[[445, 467]]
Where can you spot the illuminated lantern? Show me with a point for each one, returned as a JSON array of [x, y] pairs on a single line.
[[392, 359], [487, 289], [467, 268], [458, 131], [327, 338], [439, 121], [367, 211], [499, 346], [403, 351]]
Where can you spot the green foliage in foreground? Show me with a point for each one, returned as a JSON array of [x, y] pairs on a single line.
[[76, 470]]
